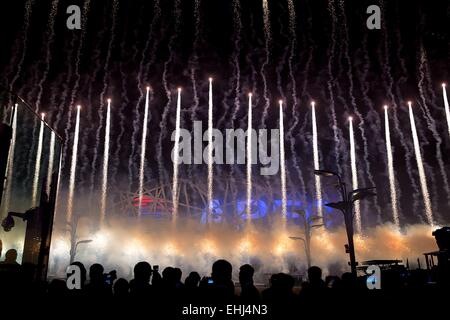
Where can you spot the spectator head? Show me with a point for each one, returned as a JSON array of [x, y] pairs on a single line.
[[121, 287], [169, 275], [96, 272], [192, 280], [221, 271], [11, 256], [246, 274], [142, 272], [314, 274], [57, 287], [282, 282], [178, 274]]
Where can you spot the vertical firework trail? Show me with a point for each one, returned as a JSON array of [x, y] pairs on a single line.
[[143, 67], [389, 83], [249, 162], [143, 149], [10, 167], [283, 170], [77, 76], [162, 124], [73, 168], [51, 160], [50, 33], [421, 169], [236, 54], [431, 123], [49, 41], [91, 123], [301, 133], [361, 125], [330, 84], [58, 185], [316, 161], [391, 174], [118, 143], [37, 165], [105, 164], [290, 133], [85, 14], [425, 83], [64, 93], [102, 95], [176, 156], [193, 66], [210, 152], [354, 176], [142, 76], [447, 109], [26, 25], [281, 62], [234, 85], [372, 117], [268, 39], [193, 61], [234, 82]]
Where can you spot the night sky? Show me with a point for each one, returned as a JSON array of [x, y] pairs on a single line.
[[334, 60]]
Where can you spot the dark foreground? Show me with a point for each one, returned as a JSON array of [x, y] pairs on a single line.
[[152, 295]]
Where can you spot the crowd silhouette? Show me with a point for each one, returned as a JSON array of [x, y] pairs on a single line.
[[166, 293]]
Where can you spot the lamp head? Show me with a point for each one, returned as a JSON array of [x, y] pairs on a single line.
[[325, 173]]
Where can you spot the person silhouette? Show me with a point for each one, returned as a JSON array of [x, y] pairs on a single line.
[[140, 284], [121, 288], [280, 296], [249, 293], [191, 290], [97, 285], [10, 257], [314, 291], [178, 274], [192, 280], [219, 288]]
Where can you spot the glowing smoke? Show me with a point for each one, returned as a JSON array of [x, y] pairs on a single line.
[[390, 163], [420, 168], [120, 246]]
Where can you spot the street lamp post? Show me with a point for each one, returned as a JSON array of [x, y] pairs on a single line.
[[309, 223], [346, 207], [73, 250]]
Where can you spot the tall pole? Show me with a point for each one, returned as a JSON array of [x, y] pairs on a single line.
[[348, 215]]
